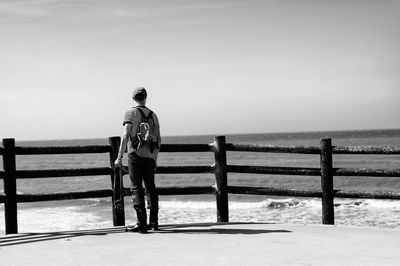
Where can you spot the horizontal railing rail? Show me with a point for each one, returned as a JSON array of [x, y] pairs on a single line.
[[62, 150], [101, 193], [366, 172], [271, 170], [272, 149], [275, 191], [185, 169], [64, 172], [313, 193], [186, 147], [220, 169]]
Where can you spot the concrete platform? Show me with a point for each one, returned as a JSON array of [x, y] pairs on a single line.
[[207, 244]]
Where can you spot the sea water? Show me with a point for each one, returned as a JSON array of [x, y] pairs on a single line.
[[97, 213]]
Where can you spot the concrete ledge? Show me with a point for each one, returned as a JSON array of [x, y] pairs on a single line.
[[207, 244]]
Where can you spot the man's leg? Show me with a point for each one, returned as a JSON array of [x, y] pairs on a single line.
[[151, 193], [136, 174]]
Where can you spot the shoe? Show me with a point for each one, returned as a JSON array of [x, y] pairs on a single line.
[[137, 228], [141, 224], [153, 219], [153, 226]]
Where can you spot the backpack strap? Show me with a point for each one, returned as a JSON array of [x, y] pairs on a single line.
[[150, 115]]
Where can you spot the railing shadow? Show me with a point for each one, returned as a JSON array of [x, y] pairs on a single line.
[[26, 238], [190, 228]]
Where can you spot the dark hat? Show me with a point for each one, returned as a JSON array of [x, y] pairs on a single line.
[[139, 93]]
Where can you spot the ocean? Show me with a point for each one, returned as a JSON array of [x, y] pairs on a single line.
[[96, 213]]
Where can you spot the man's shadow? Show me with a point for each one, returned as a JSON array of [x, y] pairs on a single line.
[[217, 228]]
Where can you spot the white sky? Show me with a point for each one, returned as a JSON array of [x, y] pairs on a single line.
[[67, 68]]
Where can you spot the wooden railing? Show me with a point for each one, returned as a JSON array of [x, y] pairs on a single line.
[[220, 168]]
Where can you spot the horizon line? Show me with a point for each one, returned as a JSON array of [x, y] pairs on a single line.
[[226, 134]]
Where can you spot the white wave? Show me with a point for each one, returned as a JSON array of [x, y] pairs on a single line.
[[232, 204], [385, 204], [284, 203], [97, 201], [368, 204]]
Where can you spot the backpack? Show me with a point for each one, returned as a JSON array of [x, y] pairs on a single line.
[[147, 137]]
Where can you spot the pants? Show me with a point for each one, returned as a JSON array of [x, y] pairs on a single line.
[[141, 170]]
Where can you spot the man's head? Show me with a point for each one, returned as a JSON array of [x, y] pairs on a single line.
[[139, 94]]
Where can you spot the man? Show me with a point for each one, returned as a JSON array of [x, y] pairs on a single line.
[[141, 137]]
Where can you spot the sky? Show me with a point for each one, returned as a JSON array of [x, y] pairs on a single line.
[[68, 67]]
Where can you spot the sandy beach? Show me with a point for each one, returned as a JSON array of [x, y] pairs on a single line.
[[207, 244]]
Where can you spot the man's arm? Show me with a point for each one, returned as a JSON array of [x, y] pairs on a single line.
[[122, 146]]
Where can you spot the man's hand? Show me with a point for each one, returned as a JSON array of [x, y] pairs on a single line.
[[118, 162]]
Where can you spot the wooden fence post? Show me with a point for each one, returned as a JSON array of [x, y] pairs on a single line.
[[328, 216], [117, 184], [221, 179], [10, 186]]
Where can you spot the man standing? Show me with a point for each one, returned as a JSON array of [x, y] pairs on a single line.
[[141, 137]]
